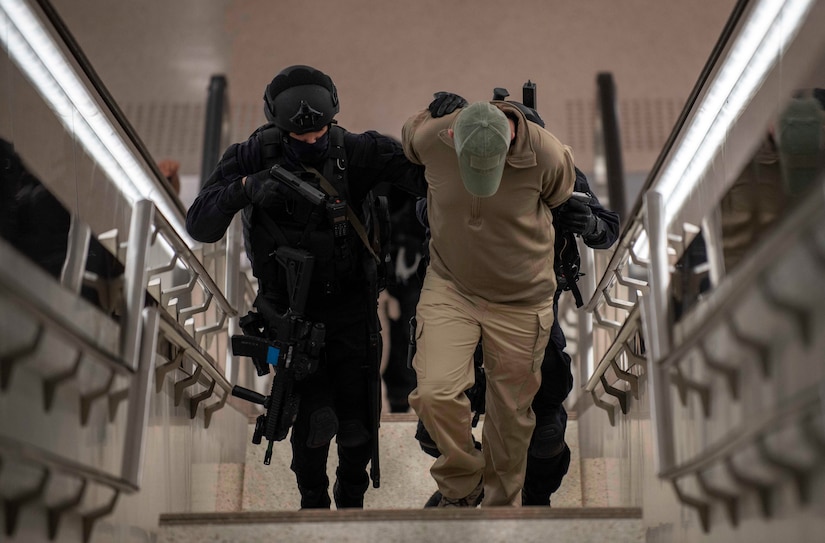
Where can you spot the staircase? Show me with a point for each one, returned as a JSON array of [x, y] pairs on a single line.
[[259, 502]]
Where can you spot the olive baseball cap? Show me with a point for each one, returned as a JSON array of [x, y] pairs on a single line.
[[482, 137]]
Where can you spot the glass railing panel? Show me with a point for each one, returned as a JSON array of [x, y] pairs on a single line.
[[742, 182], [707, 281], [91, 234]]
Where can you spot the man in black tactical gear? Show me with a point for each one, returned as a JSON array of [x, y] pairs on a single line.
[[302, 137], [548, 457]]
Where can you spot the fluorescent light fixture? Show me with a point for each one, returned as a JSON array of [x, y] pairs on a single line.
[[38, 56], [758, 47]]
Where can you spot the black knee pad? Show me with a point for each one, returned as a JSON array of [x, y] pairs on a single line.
[[352, 433], [477, 394], [425, 441], [427, 444], [547, 440], [323, 425]]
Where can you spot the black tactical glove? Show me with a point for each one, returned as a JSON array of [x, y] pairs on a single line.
[[445, 103], [577, 217], [261, 189]]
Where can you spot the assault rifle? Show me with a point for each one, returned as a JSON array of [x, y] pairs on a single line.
[[567, 260], [528, 103], [286, 341], [528, 94]]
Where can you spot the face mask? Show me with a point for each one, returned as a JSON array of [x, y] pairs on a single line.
[[297, 151]]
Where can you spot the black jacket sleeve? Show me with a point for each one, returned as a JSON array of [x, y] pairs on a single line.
[[375, 158], [608, 236], [223, 193]]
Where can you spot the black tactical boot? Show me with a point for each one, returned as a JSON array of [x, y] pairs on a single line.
[[527, 498], [473, 499], [349, 496], [314, 498], [544, 476], [434, 500]]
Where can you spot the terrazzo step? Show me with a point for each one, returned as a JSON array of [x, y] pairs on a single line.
[[481, 525], [405, 478]]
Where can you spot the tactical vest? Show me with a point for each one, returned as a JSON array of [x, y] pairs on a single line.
[[295, 222]]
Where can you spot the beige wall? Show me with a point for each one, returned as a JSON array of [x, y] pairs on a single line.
[[387, 57]]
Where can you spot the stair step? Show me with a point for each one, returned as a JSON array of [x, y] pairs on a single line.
[[405, 478], [480, 525]]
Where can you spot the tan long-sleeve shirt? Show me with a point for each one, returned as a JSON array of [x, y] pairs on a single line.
[[501, 247]]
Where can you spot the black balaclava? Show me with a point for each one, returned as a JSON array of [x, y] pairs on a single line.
[[297, 152]]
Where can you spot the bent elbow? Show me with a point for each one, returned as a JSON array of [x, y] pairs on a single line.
[[201, 234]]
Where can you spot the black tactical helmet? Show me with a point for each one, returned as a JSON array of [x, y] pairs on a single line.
[[301, 99]]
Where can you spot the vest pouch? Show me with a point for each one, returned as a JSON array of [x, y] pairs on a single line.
[[300, 211], [261, 248], [322, 246]]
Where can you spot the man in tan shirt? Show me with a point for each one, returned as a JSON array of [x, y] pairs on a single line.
[[492, 180]]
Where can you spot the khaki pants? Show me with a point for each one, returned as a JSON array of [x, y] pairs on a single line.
[[513, 340]]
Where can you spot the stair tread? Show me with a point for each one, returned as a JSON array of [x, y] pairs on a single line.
[[434, 514]]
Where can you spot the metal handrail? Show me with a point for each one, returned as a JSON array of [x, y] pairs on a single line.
[[134, 284], [754, 427], [734, 285], [707, 71], [44, 305], [29, 453], [620, 256], [139, 390], [630, 326], [633, 226], [178, 335], [126, 348], [188, 257]]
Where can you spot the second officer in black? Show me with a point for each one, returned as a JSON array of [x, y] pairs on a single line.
[[302, 137]]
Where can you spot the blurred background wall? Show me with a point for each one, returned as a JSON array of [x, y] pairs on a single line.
[[388, 57]]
